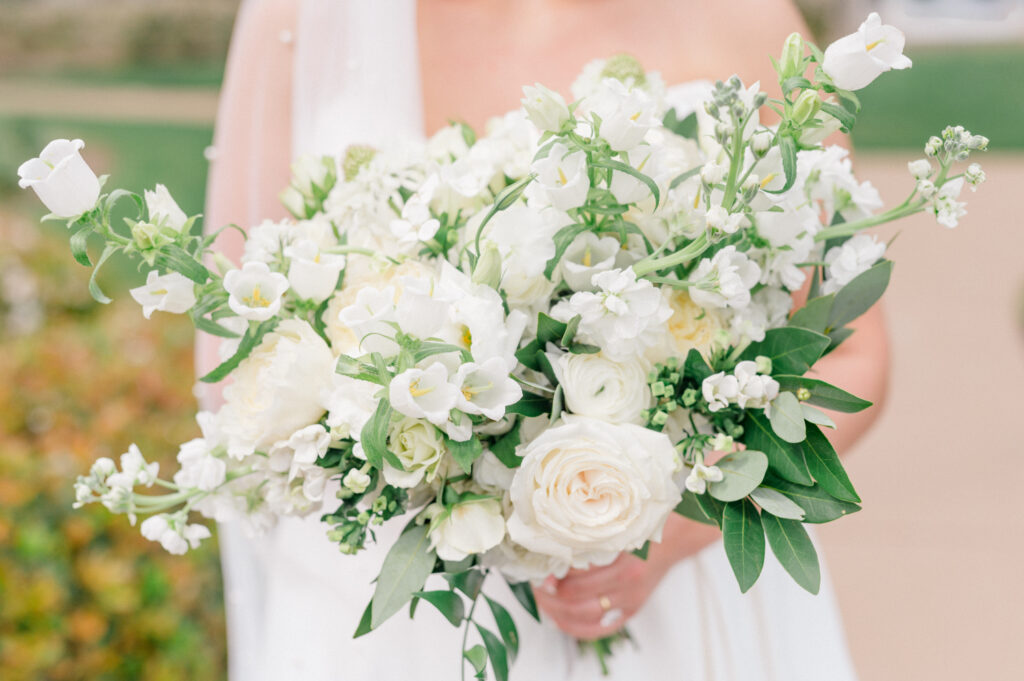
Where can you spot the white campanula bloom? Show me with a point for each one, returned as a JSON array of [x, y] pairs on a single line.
[[628, 189], [254, 291], [586, 256], [623, 316], [312, 273], [700, 475], [597, 387], [626, 113], [420, 312], [844, 263], [424, 393], [824, 125], [945, 206], [562, 175], [467, 529], [628, 467], [545, 108], [163, 209], [486, 388], [171, 292], [524, 237], [369, 318], [920, 169], [854, 61], [174, 534], [61, 179], [420, 449], [725, 279]]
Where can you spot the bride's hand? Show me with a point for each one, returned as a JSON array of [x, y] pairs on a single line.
[[590, 604]]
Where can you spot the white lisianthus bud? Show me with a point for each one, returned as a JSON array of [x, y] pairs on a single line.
[[854, 61], [933, 146], [719, 218], [764, 364], [488, 268], [920, 169], [424, 393], [61, 179], [977, 143], [712, 173], [926, 188], [163, 210], [761, 141], [545, 108], [468, 529], [356, 481], [313, 173], [974, 175], [254, 291], [170, 292], [563, 175], [312, 273]]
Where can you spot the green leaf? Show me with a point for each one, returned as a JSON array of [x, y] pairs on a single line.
[[788, 148], [506, 627], [777, 504], [175, 258], [794, 83], [633, 172], [845, 118], [819, 506], [374, 436], [792, 350], [79, 246], [711, 507], [824, 464], [742, 472], [642, 552], [496, 651], [816, 416], [94, 288], [571, 327], [838, 336], [743, 537], [784, 458], [695, 367], [684, 127], [464, 453], [405, 569], [364, 627], [530, 405], [213, 328], [477, 657], [524, 594], [689, 508], [549, 329], [252, 338], [447, 602], [683, 177], [787, 418], [814, 315], [859, 295], [468, 582], [823, 394], [426, 349], [563, 239], [529, 355], [504, 448], [793, 548], [503, 200]]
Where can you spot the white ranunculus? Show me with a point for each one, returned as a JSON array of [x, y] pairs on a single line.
[[163, 209], [588, 490], [545, 108], [424, 393], [563, 177], [491, 474], [277, 389], [486, 388], [468, 528], [254, 292], [171, 292], [845, 263], [586, 256], [420, 450], [312, 273], [854, 61], [725, 279], [599, 388], [61, 179]]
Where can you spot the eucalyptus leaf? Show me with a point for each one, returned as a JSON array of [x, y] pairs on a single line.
[[784, 458], [364, 627], [689, 508], [819, 506], [815, 314], [792, 350], [406, 567], [777, 504], [793, 548], [742, 472], [826, 468], [711, 507], [823, 394], [817, 416], [787, 418], [859, 295], [743, 536]]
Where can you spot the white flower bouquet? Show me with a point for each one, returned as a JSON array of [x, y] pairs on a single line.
[[533, 346]]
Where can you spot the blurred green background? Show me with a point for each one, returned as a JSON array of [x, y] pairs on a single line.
[[82, 596]]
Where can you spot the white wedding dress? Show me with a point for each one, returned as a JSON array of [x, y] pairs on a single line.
[[293, 601]]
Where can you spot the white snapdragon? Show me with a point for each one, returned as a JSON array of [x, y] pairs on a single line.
[[854, 61], [744, 387], [61, 179], [163, 209], [173, 533], [171, 292], [626, 113], [945, 207], [312, 273], [545, 108], [486, 388], [586, 256], [844, 263], [424, 393], [467, 529], [563, 176], [725, 279], [254, 291]]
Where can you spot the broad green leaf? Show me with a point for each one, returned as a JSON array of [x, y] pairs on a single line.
[[845, 118], [571, 327], [742, 472], [684, 127], [175, 258], [823, 394], [364, 627], [838, 336], [689, 508], [743, 537], [712, 508], [794, 83], [633, 172], [787, 418], [252, 338], [465, 453], [529, 355], [563, 239], [523, 592], [792, 350], [819, 506], [406, 568], [447, 602], [374, 436], [468, 582], [784, 458], [530, 405], [504, 448], [477, 657], [793, 548], [496, 652], [825, 466], [506, 627], [816, 416], [814, 315], [642, 552], [695, 367], [859, 295], [549, 330], [777, 504]]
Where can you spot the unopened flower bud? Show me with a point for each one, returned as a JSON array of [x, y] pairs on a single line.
[[294, 202], [791, 62], [920, 169], [974, 175], [978, 143], [761, 142], [147, 236], [803, 394], [764, 364], [356, 157], [356, 481], [807, 105], [926, 188], [933, 146], [722, 442], [488, 267], [626, 68], [759, 99], [712, 173]]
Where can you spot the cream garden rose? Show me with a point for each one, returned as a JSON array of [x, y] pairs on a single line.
[[599, 388], [419, 448], [588, 490], [468, 528]]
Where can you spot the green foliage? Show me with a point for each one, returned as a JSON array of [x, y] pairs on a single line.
[[822, 394], [448, 604], [787, 418], [406, 567], [784, 458], [819, 506], [743, 536], [792, 350], [793, 548], [742, 472]]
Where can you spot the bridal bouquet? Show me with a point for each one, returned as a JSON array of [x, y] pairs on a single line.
[[530, 347]]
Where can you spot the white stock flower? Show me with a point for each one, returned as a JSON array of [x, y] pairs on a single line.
[[300, 450], [974, 175], [586, 256], [171, 292], [545, 108], [175, 535], [626, 113], [420, 450], [588, 490], [563, 177], [254, 291], [700, 475], [356, 481], [200, 468], [854, 61], [61, 179], [599, 388], [920, 169], [163, 209], [424, 393], [844, 263], [945, 206], [712, 173], [277, 389], [134, 470], [486, 388], [744, 387], [350, 404], [720, 219], [725, 279], [467, 529]]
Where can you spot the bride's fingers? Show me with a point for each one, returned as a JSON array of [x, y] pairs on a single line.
[[596, 582]]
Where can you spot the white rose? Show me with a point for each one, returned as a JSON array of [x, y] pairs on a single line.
[[420, 450], [519, 564], [588, 490], [468, 528], [276, 390], [61, 179], [855, 60], [599, 388], [163, 209], [171, 292]]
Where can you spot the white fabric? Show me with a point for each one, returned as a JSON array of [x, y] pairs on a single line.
[[293, 601]]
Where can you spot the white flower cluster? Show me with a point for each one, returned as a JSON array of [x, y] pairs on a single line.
[[745, 387]]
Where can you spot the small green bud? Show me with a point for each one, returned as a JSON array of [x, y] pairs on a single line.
[[658, 389], [356, 158], [625, 68], [689, 397], [807, 105], [803, 394], [223, 264], [672, 362], [764, 364], [792, 60], [147, 236], [488, 267], [379, 505], [659, 418], [363, 518]]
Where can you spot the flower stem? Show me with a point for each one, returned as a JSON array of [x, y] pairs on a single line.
[[851, 228], [689, 252]]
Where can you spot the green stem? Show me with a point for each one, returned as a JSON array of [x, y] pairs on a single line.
[[691, 251], [851, 228], [465, 636]]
